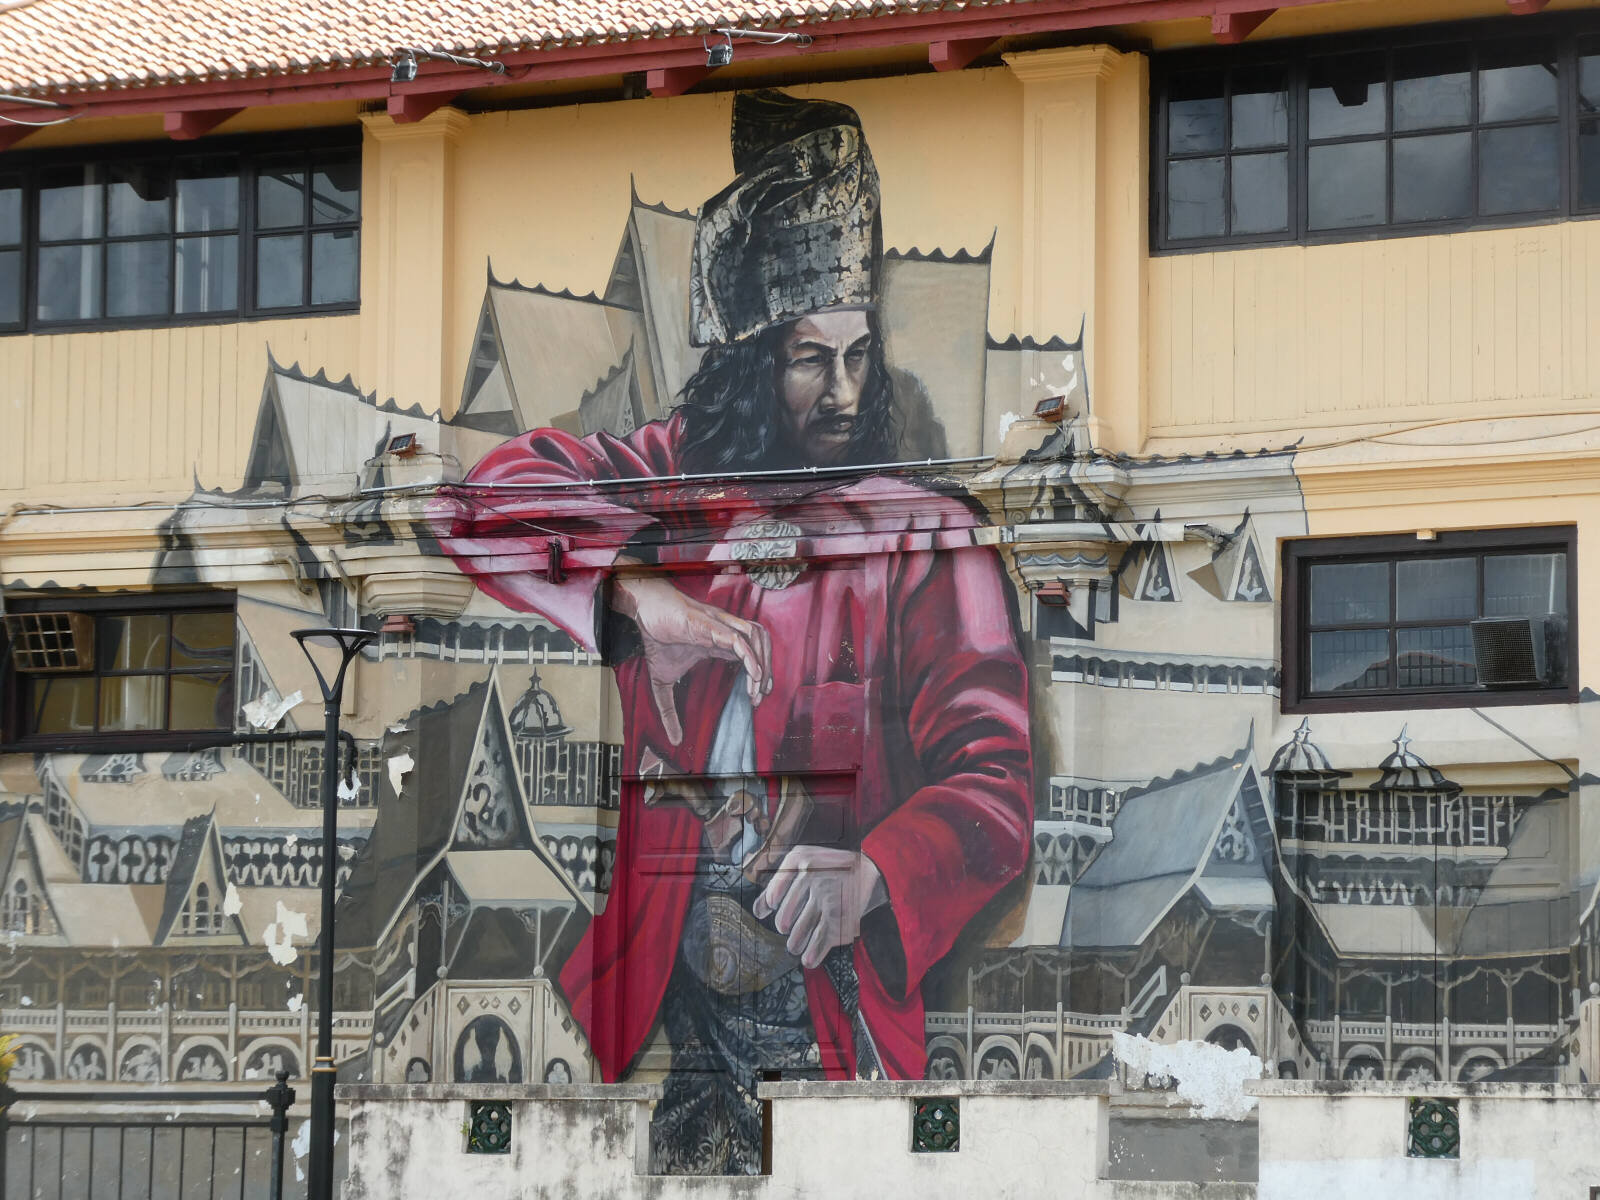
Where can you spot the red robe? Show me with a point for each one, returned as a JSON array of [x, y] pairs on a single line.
[[896, 669]]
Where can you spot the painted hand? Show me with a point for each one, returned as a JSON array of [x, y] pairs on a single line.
[[820, 896], [677, 632]]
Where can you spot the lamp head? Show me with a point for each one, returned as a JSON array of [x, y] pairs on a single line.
[[719, 55], [405, 68]]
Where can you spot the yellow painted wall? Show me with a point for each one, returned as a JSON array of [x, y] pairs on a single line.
[[1285, 339], [144, 412]]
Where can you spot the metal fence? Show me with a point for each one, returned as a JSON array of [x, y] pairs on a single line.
[[144, 1145]]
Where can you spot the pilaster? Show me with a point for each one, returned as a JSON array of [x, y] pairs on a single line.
[[408, 230], [1084, 180]]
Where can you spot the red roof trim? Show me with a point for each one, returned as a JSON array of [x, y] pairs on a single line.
[[610, 58]]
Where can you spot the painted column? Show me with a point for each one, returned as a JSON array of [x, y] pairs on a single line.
[[408, 246], [1084, 219]]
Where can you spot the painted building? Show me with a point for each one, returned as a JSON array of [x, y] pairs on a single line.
[[919, 551]]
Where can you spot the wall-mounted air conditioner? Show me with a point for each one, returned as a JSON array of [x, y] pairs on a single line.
[[1517, 651]]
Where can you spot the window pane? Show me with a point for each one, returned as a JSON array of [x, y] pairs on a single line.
[[333, 267], [1350, 660], [1431, 658], [133, 702], [1516, 84], [1346, 95], [1436, 589], [137, 278], [69, 203], [1194, 113], [336, 193], [1589, 164], [208, 274], [10, 287], [202, 640], [1432, 88], [10, 216], [138, 200], [1194, 198], [132, 643], [208, 202], [202, 701], [1260, 109], [1524, 585], [69, 282], [1260, 193], [1433, 177], [1347, 185], [1519, 169], [63, 705], [280, 199], [280, 271], [1349, 593]]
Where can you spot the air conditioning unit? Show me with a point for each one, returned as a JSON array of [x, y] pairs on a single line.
[[50, 643], [1512, 651]]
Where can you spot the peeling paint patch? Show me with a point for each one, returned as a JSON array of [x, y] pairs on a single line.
[[279, 936], [231, 903], [398, 766], [1007, 420], [268, 710], [1207, 1076]]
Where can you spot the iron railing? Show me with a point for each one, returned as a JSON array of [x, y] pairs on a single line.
[[143, 1144]]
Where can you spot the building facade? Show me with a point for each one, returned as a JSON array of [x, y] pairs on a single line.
[[1074, 528]]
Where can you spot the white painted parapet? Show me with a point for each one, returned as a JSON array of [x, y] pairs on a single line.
[[839, 1140], [1347, 1141]]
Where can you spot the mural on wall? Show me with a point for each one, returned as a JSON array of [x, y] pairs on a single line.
[[824, 779], [815, 765]]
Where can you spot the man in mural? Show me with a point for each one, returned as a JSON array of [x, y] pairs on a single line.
[[822, 684]]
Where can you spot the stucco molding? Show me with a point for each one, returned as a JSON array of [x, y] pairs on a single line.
[[1095, 63], [445, 123]]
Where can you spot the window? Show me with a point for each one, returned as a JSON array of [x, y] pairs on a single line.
[[152, 670], [199, 914], [1387, 622], [150, 235], [1329, 140]]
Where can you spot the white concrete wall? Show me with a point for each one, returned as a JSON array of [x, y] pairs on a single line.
[[1021, 1139], [840, 1141], [1527, 1141]]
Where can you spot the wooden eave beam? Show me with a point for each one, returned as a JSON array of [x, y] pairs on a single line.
[[11, 134], [958, 55], [1232, 28], [1526, 8], [195, 122], [409, 107], [674, 81]]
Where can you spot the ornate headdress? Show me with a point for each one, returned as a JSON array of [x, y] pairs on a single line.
[[797, 232]]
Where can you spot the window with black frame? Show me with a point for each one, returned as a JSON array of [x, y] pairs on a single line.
[[145, 670], [1318, 142], [158, 237], [1369, 621]]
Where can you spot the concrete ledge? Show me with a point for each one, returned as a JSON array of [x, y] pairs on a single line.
[[881, 1089], [632, 1092], [1279, 1088]]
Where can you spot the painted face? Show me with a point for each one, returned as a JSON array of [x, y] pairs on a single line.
[[822, 368]]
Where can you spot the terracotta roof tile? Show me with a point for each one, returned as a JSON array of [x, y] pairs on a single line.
[[50, 45]]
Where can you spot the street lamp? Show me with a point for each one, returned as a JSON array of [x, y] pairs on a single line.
[[349, 643]]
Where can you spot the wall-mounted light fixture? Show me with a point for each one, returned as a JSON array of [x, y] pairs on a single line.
[[720, 54], [405, 63]]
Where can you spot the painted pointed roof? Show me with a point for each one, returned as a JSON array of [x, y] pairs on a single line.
[[1405, 770], [1163, 843], [1301, 756]]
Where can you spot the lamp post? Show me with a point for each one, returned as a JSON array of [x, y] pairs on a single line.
[[349, 643]]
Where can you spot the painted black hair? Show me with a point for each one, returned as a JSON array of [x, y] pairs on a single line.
[[730, 410]]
